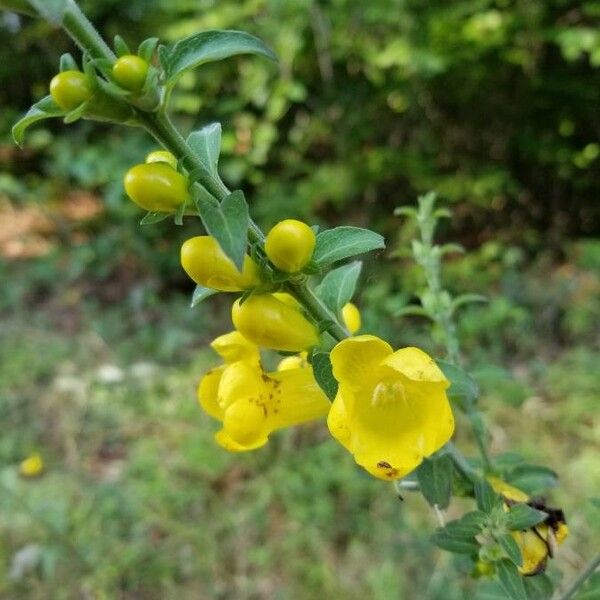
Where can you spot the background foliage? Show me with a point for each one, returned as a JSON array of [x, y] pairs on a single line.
[[492, 104]]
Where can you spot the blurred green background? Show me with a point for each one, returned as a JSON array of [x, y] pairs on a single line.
[[494, 104]]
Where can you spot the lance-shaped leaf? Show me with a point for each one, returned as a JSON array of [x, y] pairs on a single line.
[[522, 516], [206, 144], [510, 580], [323, 374], [44, 109], [227, 222], [342, 242], [338, 285], [209, 46], [487, 498], [200, 294], [510, 546], [435, 479], [152, 217], [532, 479]]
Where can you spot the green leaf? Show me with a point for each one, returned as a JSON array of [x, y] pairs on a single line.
[[121, 47], [67, 63], [486, 497], [337, 287], [468, 526], [154, 217], [522, 516], [146, 49], [510, 546], [532, 479], [227, 223], [51, 10], [510, 580], [539, 587], [44, 109], [435, 478], [342, 242], [463, 390], [200, 294], [323, 374], [490, 590], [443, 539], [209, 46], [206, 144]]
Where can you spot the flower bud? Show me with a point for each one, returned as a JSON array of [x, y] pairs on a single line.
[[157, 187], [70, 89], [351, 317], [205, 262], [271, 323], [161, 156], [130, 72], [290, 245]]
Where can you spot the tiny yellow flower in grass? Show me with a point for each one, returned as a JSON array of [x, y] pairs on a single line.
[[351, 317], [32, 466], [539, 542], [391, 409], [251, 404]]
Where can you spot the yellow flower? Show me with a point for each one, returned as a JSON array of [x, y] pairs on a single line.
[[351, 316], [539, 542], [391, 409], [273, 323], [293, 362], [251, 404], [32, 466]]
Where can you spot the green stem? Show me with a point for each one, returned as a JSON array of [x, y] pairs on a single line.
[[582, 578], [162, 129]]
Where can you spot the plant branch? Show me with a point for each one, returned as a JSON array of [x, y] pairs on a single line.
[[587, 572]]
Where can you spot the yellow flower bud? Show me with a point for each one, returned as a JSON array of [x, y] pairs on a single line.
[[271, 323], [290, 245], [32, 466], [162, 156], [205, 262], [351, 316], [156, 187]]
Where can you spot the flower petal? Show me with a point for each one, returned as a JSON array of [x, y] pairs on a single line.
[[239, 380], [233, 346], [356, 360], [245, 423], [415, 364], [208, 392], [390, 439], [338, 422], [295, 397], [224, 440]]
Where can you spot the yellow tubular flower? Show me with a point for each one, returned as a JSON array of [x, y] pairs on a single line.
[[391, 409], [32, 466], [271, 323], [204, 261], [351, 317], [233, 346], [252, 404]]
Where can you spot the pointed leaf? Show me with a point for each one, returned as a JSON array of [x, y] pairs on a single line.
[[435, 478], [146, 49], [446, 541], [511, 581], [510, 546], [200, 294], [44, 109], [154, 217], [342, 242], [463, 389], [323, 374], [206, 144], [337, 287], [486, 497], [532, 479], [227, 223], [209, 46], [522, 516], [51, 10], [540, 587]]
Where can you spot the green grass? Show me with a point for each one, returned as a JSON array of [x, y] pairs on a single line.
[[138, 502]]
